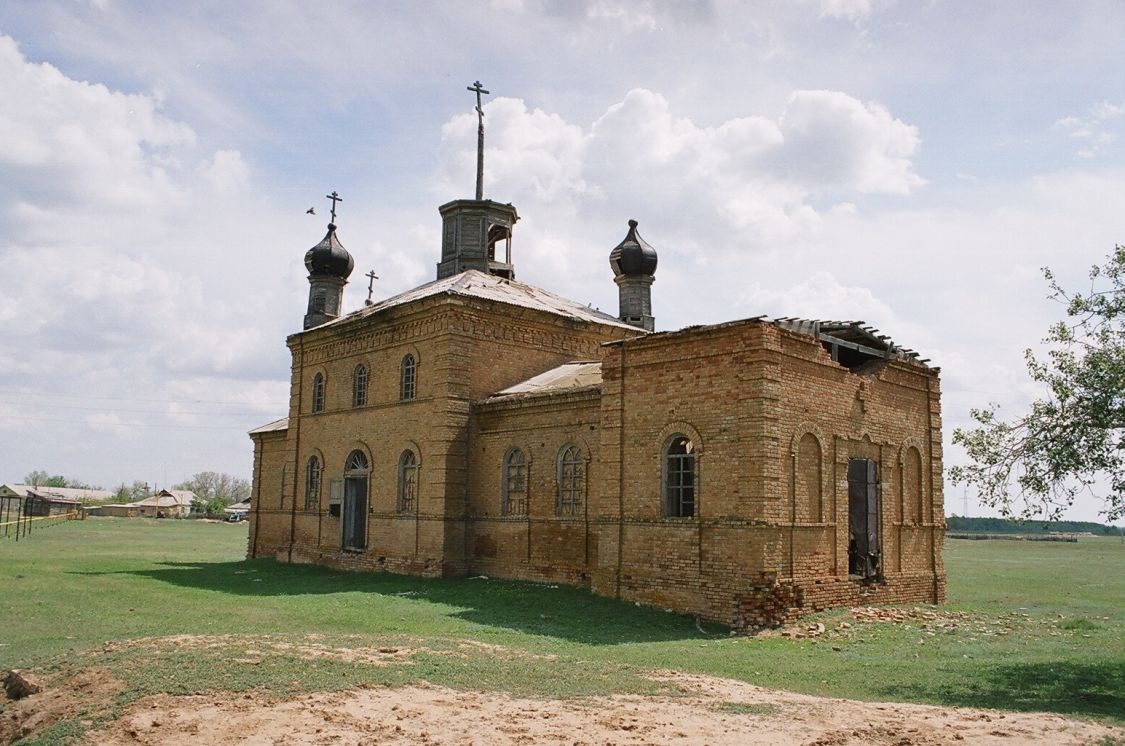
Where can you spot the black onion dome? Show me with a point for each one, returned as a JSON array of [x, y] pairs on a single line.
[[633, 256], [329, 257]]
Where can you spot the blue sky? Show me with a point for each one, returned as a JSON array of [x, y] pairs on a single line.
[[910, 164]]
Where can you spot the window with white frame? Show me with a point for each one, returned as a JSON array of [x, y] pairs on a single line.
[[312, 484], [359, 386], [679, 477], [318, 393]]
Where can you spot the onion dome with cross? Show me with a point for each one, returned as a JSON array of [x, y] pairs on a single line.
[[329, 257]]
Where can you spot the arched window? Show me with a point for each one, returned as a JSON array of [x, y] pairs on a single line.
[[679, 477], [312, 484], [514, 499], [356, 464], [571, 481], [318, 393], [407, 482], [359, 386], [319, 301], [407, 379]]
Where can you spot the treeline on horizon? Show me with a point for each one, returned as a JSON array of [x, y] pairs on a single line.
[[1010, 526]]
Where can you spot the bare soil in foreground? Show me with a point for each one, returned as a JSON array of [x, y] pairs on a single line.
[[713, 711]]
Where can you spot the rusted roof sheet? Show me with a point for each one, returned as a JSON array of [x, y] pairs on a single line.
[[476, 284], [272, 427], [568, 376]]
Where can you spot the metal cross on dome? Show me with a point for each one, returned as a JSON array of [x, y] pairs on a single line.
[[335, 198]]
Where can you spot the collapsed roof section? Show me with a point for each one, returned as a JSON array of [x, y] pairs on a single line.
[[850, 343]]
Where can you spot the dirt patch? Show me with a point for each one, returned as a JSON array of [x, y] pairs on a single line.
[[713, 711], [251, 649], [704, 709], [88, 691]]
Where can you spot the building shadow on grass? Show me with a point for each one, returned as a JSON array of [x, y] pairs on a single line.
[[550, 610], [1065, 687]]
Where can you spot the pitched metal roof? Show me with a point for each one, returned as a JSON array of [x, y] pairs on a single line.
[[271, 427], [473, 283], [61, 493], [566, 377], [160, 500], [182, 497]]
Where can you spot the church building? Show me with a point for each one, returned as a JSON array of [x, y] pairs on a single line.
[[746, 472]]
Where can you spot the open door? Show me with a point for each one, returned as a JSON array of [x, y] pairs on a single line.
[[354, 528], [864, 546]]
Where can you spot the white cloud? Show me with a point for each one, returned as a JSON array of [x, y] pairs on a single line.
[[226, 172], [849, 10], [1096, 129], [67, 140], [821, 296], [755, 174], [835, 141]]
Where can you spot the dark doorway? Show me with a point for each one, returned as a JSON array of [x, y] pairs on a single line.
[[355, 502], [863, 518]]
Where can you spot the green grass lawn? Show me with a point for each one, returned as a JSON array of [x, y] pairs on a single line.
[[1029, 626]]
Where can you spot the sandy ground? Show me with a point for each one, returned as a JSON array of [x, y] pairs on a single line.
[[715, 711]]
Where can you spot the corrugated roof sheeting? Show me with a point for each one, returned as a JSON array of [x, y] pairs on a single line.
[[567, 376], [476, 284]]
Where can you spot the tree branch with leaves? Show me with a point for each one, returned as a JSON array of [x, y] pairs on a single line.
[[1070, 442]]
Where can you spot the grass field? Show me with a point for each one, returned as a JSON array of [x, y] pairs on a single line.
[[1028, 626]]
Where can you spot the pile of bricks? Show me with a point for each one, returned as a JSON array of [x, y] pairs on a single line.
[[768, 605], [876, 614]]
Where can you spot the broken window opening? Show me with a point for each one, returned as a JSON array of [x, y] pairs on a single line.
[[679, 478], [864, 550]]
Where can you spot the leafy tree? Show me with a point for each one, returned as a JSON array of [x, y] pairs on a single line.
[[40, 478], [210, 486], [131, 494], [1071, 441]]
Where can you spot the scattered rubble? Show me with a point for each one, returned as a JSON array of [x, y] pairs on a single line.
[[17, 685], [930, 621]]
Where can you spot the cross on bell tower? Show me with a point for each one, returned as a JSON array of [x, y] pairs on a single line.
[[475, 231], [480, 139]]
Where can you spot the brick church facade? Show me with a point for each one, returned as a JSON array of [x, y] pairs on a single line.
[[745, 472]]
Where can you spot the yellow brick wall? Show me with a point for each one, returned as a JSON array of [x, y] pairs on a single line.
[[773, 420]]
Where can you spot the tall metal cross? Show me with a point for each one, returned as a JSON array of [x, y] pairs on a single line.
[[480, 139], [335, 198], [371, 284]]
